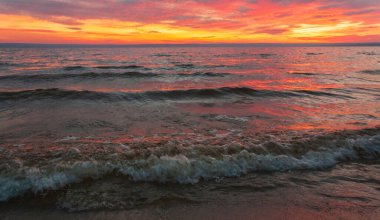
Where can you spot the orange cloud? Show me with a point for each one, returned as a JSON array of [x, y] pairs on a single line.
[[190, 21]]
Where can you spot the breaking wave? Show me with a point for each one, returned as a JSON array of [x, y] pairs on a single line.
[[190, 167]]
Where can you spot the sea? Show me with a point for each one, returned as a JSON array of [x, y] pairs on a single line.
[[281, 132]]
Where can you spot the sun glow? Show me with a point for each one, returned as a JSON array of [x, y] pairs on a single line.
[[188, 22]]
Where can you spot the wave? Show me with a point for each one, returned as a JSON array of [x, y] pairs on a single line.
[[266, 55], [222, 92], [121, 67], [56, 93], [175, 64], [368, 53], [7, 64], [185, 65], [192, 167], [161, 55], [96, 75], [205, 74], [193, 66], [303, 73], [71, 68], [371, 72], [313, 54], [326, 94], [262, 55], [87, 75]]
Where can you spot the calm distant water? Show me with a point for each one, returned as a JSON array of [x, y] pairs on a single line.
[[183, 116]]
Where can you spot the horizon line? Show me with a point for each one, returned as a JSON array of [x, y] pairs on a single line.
[[186, 44]]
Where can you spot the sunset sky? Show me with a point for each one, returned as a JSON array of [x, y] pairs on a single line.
[[189, 21]]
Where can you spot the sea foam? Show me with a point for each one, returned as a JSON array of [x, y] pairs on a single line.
[[182, 169]]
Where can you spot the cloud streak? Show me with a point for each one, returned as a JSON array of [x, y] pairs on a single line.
[[113, 21]]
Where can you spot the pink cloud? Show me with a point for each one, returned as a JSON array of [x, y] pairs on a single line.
[[274, 17]]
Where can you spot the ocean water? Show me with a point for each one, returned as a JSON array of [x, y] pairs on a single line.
[[90, 128]]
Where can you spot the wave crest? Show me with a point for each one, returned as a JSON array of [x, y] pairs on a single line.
[[182, 168]]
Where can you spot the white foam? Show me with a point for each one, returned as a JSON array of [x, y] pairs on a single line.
[[69, 138], [180, 168]]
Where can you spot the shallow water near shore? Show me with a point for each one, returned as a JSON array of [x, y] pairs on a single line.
[[133, 132], [348, 191]]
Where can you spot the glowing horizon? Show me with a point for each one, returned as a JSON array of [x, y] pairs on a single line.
[[191, 21]]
